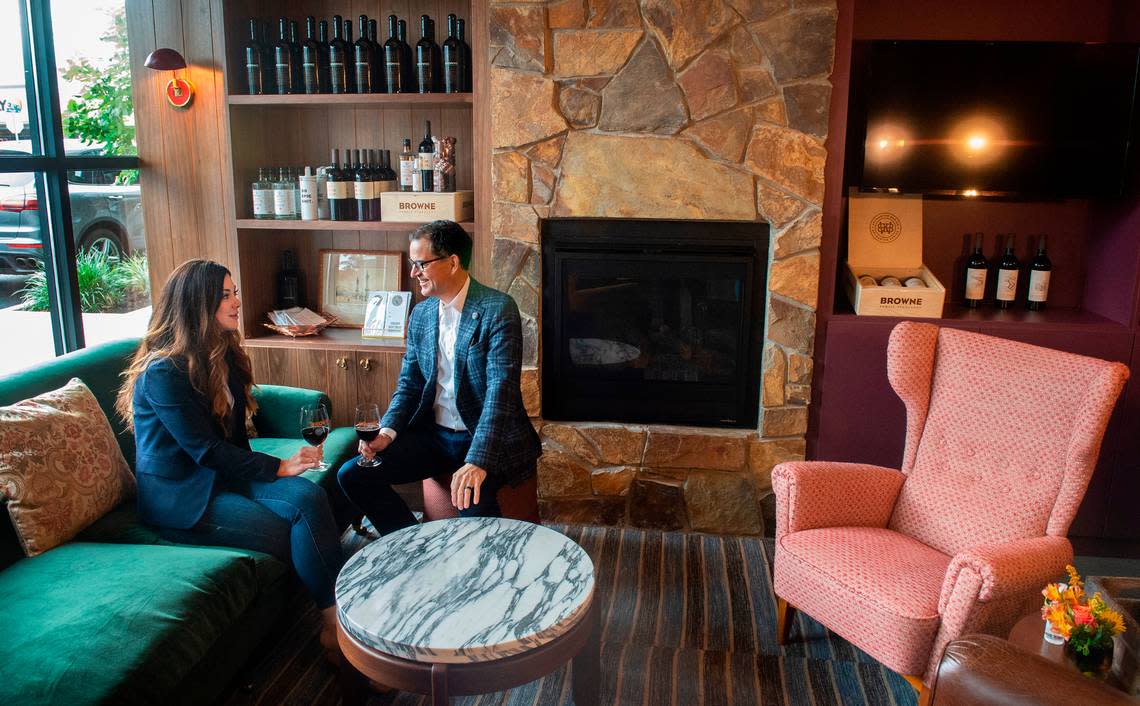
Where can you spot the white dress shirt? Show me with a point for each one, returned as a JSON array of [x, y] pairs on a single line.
[[446, 413]]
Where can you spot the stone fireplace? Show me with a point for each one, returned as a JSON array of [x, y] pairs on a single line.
[[700, 110]]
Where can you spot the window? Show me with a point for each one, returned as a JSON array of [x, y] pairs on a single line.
[[72, 249]]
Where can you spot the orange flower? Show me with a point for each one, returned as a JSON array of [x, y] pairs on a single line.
[[1052, 593], [1083, 616]]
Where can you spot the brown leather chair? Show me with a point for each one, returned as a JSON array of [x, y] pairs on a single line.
[[983, 670]]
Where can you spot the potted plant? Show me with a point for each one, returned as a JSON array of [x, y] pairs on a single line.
[[1087, 625]]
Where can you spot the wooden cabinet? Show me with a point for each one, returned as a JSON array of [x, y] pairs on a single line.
[[301, 130], [348, 372]]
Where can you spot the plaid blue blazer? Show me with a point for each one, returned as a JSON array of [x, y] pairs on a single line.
[[488, 363]]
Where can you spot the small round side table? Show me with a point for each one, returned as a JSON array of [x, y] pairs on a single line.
[[469, 606]]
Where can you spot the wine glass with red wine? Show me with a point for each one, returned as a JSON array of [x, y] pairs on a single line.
[[315, 427], [367, 427]]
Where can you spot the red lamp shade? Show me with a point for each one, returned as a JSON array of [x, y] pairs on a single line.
[[165, 60]]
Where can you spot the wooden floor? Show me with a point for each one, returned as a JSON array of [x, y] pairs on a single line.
[[687, 619]]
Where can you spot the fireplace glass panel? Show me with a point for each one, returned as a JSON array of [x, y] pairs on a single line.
[[652, 323]]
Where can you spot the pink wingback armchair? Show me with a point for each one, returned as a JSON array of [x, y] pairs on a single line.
[[1001, 439]]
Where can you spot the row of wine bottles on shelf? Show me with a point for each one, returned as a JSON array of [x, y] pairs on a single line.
[[351, 191], [1008, 273], [318, 64]]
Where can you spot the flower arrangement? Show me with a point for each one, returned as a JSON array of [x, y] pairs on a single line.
[[1087, 626]]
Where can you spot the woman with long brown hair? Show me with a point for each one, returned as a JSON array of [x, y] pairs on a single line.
[[187, 394]]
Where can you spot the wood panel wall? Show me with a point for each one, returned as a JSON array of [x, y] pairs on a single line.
[[182, 153], [188, 171]]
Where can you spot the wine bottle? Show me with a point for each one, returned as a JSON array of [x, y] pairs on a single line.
[[461, 35], [452, 59], [268, 60], [310, 59], [1008, 269], [338, 59], [362, 59], [289, 290], [377, 60], [362, 179], [284, 196], [349, 64], [323, 54], [393, 60], [295, 54], [426, 163], [976, 271], [426, 66], [1040, 270], [252, 53], [337, 187], [283, 59], [388, 181], [262, 196], [349, 178], [407, 166], [408, 63]]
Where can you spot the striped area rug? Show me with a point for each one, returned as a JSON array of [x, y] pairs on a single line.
[[687, 619]]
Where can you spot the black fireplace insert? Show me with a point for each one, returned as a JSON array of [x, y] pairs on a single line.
[[647, 321]]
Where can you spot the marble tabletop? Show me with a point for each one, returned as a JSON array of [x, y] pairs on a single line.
[[464, 590]]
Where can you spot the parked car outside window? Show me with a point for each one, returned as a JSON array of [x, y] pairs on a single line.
[[106, 217]]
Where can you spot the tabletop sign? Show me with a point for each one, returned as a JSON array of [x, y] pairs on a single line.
[[386, 315]]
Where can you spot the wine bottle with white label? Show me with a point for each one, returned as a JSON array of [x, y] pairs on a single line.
[[426, 161], [976, 270], [253, 52], [1040, 270], [263, 196], [1008, 269]]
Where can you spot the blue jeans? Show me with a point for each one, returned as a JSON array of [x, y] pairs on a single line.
[[416, 454], [289, 518]]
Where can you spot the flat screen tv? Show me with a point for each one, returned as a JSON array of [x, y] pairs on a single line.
[[1020, 119]]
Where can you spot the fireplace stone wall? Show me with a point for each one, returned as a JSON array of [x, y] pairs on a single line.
[[683, 109]]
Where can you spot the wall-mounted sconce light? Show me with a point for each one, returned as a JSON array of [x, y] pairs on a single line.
[[179, 91]]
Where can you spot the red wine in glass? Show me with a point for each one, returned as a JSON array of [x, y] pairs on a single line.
[[315, 426], [315, 435], [367, 425]]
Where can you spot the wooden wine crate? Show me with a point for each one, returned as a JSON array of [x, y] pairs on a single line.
[[423, 206], [884, 237]]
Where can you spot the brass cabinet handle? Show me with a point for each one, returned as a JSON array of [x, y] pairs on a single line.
[[342, 363], [366, 364]]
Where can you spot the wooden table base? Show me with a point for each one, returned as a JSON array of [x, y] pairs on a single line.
[[364, 666]]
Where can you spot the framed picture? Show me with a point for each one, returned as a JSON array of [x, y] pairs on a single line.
[[347, 276]]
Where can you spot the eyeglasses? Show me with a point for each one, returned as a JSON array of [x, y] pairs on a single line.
[[422, 264]]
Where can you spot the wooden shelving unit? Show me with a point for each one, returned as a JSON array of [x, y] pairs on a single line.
[[334, 339], [266, 224], [383, 100], [302, 130]]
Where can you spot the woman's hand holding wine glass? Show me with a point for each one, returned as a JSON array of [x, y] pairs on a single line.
[[306, 457], [315, 427]]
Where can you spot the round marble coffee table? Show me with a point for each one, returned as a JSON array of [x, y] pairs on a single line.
[[470, 606]]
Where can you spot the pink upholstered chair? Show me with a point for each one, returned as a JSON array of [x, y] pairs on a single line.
[[519, 502], [1001, 440]]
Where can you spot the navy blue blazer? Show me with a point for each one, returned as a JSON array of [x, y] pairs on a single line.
[[181, 447], [488, 365]]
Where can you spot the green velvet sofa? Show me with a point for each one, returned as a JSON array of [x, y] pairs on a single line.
[[119, 616]]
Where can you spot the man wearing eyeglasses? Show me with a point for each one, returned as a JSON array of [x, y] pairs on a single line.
[[458, 406]]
